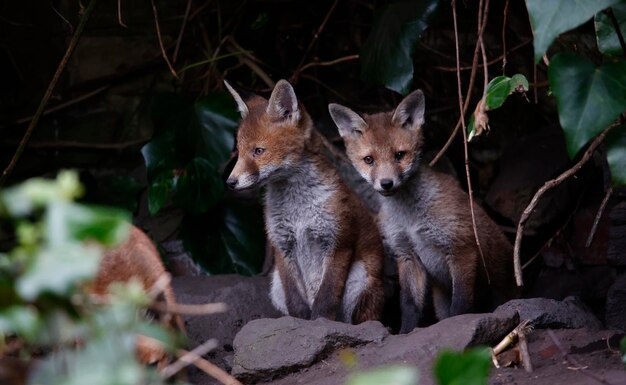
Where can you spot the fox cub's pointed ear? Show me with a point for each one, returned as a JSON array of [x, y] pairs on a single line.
[[410, 112], [348, 122], [283, 103], [241, 106]]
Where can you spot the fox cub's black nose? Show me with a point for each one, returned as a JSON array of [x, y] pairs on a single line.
[[386, 184], [231, 182]]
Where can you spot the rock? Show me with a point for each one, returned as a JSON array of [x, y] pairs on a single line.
[[615, 315], [267, 348], [418, 348], [247, 298], [570, 313]]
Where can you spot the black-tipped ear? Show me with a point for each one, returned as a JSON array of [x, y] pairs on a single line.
[[241, 106], [348, 122], [283, 103], [410, 112]]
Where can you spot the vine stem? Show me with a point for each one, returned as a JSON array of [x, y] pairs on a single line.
[[547, 186], [46, 97]]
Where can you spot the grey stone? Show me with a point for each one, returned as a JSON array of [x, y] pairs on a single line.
[[267, 348], [570, 313]]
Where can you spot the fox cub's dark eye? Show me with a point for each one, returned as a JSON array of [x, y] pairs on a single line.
[[400, 154], [368, 159], [258, 151]]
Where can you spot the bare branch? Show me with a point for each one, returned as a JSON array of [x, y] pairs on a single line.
[[161, 46]]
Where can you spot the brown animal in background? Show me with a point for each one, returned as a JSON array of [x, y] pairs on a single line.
[[328, 250], [137, 258], [425, 216]]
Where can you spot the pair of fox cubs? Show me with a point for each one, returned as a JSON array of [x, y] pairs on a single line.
[[329, 250]]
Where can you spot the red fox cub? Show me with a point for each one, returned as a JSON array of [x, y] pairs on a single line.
[[425, 217], [137, 258], [328, 252]]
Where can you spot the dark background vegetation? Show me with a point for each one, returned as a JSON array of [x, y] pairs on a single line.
[[160, 145]]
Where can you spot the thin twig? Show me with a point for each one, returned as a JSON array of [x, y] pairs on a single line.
[[316, 80], [185, 358], [160, 39], [618, 30], [208, 367], [574, 362], [61, 106], [48, 93], [190, 309], [594, 228], [330, 62], [119, 14], [467, 97], [504, 15], [62, 144], [294, 77], [547, 186], [490, 62], [251, 64], [182, 32], [522, 343]]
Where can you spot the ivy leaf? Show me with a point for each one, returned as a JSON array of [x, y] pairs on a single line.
[[387, 54], [588, 98], [159, 190], [551, 18], [616, 154], [608, 42], [57, 269], [215, 122], [199, 187], [501, 87], [463, 368]]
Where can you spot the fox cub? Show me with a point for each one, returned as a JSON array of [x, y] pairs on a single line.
[[137, 258], [328, 252], [425, 217]]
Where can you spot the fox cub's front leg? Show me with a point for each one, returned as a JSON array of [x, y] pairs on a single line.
[[413, 280], [328, 299], [286, 288]]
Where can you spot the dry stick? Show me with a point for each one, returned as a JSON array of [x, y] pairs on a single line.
[[547, 186], [183, 361], [594, 228], [467, 100], [182, 31], [62, 144], [119, 14], [190, 309], [573, 361], [48, 93], [505, 13], [209, 368], [294, 77], [158, 32], [524, 353]]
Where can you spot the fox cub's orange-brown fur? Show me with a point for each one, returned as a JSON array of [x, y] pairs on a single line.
[[328, 252], [425, 216], [137, 258]]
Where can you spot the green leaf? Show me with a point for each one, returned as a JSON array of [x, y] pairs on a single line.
[[608, 42], [24, 321], [215, 122], [387, 54], [199, 187], [463, 368], [391, 375], [501, 87], [616, 154], [162, 154], [159, 190], [69, 222], [551, 18], [588, 98], [229, 239], [57, 269]]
